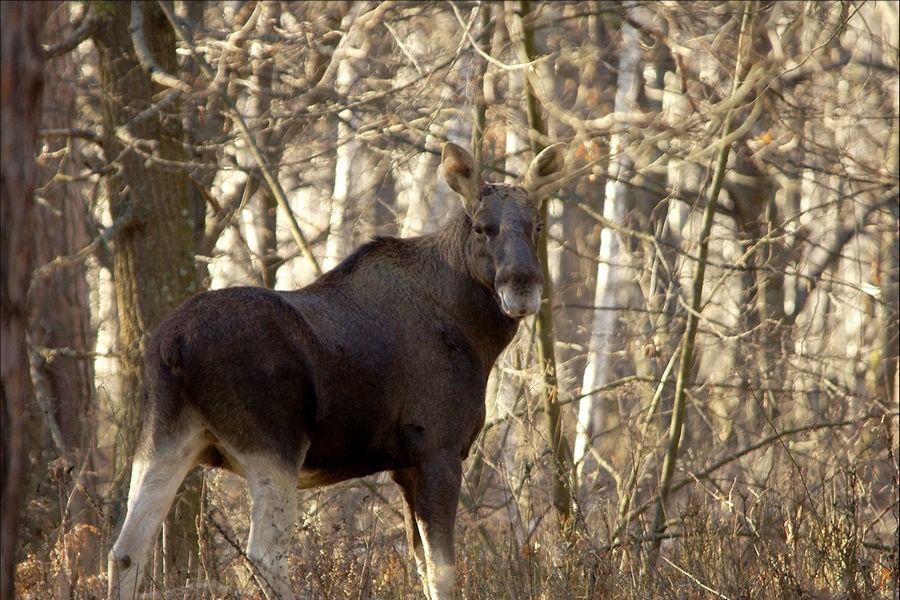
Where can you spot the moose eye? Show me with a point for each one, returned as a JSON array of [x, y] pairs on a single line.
[[487, 230], [538, 228]]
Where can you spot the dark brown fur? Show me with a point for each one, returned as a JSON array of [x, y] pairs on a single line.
[[379, 363]]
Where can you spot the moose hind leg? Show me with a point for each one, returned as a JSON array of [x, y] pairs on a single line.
[[406, 479], [273, 492], [156, 475]]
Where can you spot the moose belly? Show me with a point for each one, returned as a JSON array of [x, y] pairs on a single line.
[[332, 457], [311, 478]]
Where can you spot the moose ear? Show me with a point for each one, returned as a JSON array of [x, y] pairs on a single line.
[[459, 171], [545, 171]]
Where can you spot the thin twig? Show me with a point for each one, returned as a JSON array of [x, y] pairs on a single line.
[[705, 473], [124, 220], [251, 564], [695, 580], [812, 504], [467, 32]]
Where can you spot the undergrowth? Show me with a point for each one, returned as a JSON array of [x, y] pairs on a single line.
[[349, 545]]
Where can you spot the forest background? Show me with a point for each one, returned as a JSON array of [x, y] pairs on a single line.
[[708, 404]]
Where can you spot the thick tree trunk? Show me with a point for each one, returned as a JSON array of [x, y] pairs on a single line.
[[21, 87], [153, 260]]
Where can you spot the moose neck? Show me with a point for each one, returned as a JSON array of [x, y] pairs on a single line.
[[472, 305]]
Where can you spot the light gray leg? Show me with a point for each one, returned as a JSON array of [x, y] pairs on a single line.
[[155, 477], [273, 490]]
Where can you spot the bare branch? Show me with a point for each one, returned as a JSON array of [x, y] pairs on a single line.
[[72, 41], [84, 134], [834, 252], [145, 57], [271, 180]]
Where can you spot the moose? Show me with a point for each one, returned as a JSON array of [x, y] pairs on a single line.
[[381, 364]]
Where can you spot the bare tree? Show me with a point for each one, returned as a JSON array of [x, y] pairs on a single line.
[[61, 336], [20, 116], [154, 248], [612, 268]]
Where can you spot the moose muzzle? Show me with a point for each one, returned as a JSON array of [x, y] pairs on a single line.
[[520, 294]]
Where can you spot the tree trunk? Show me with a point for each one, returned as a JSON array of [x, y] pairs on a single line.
[[262, 206], [60, 322], [522, 38], [762, 293], [416, 181], [338, 232], [153, 252], [610, 277], [203, 122], [889, 368], [20, 109]]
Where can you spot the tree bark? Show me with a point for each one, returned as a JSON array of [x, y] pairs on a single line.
[[262, 207], [60, 318], [21, 87], [153, 253]]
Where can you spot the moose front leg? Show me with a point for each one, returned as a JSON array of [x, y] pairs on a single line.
[[437, 493]]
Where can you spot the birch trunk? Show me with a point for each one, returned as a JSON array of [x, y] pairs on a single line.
[[416, 179], [610, 273], [338, 233]]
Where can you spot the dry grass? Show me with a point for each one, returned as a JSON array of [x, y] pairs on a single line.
[[757, 543], [808, 515]]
